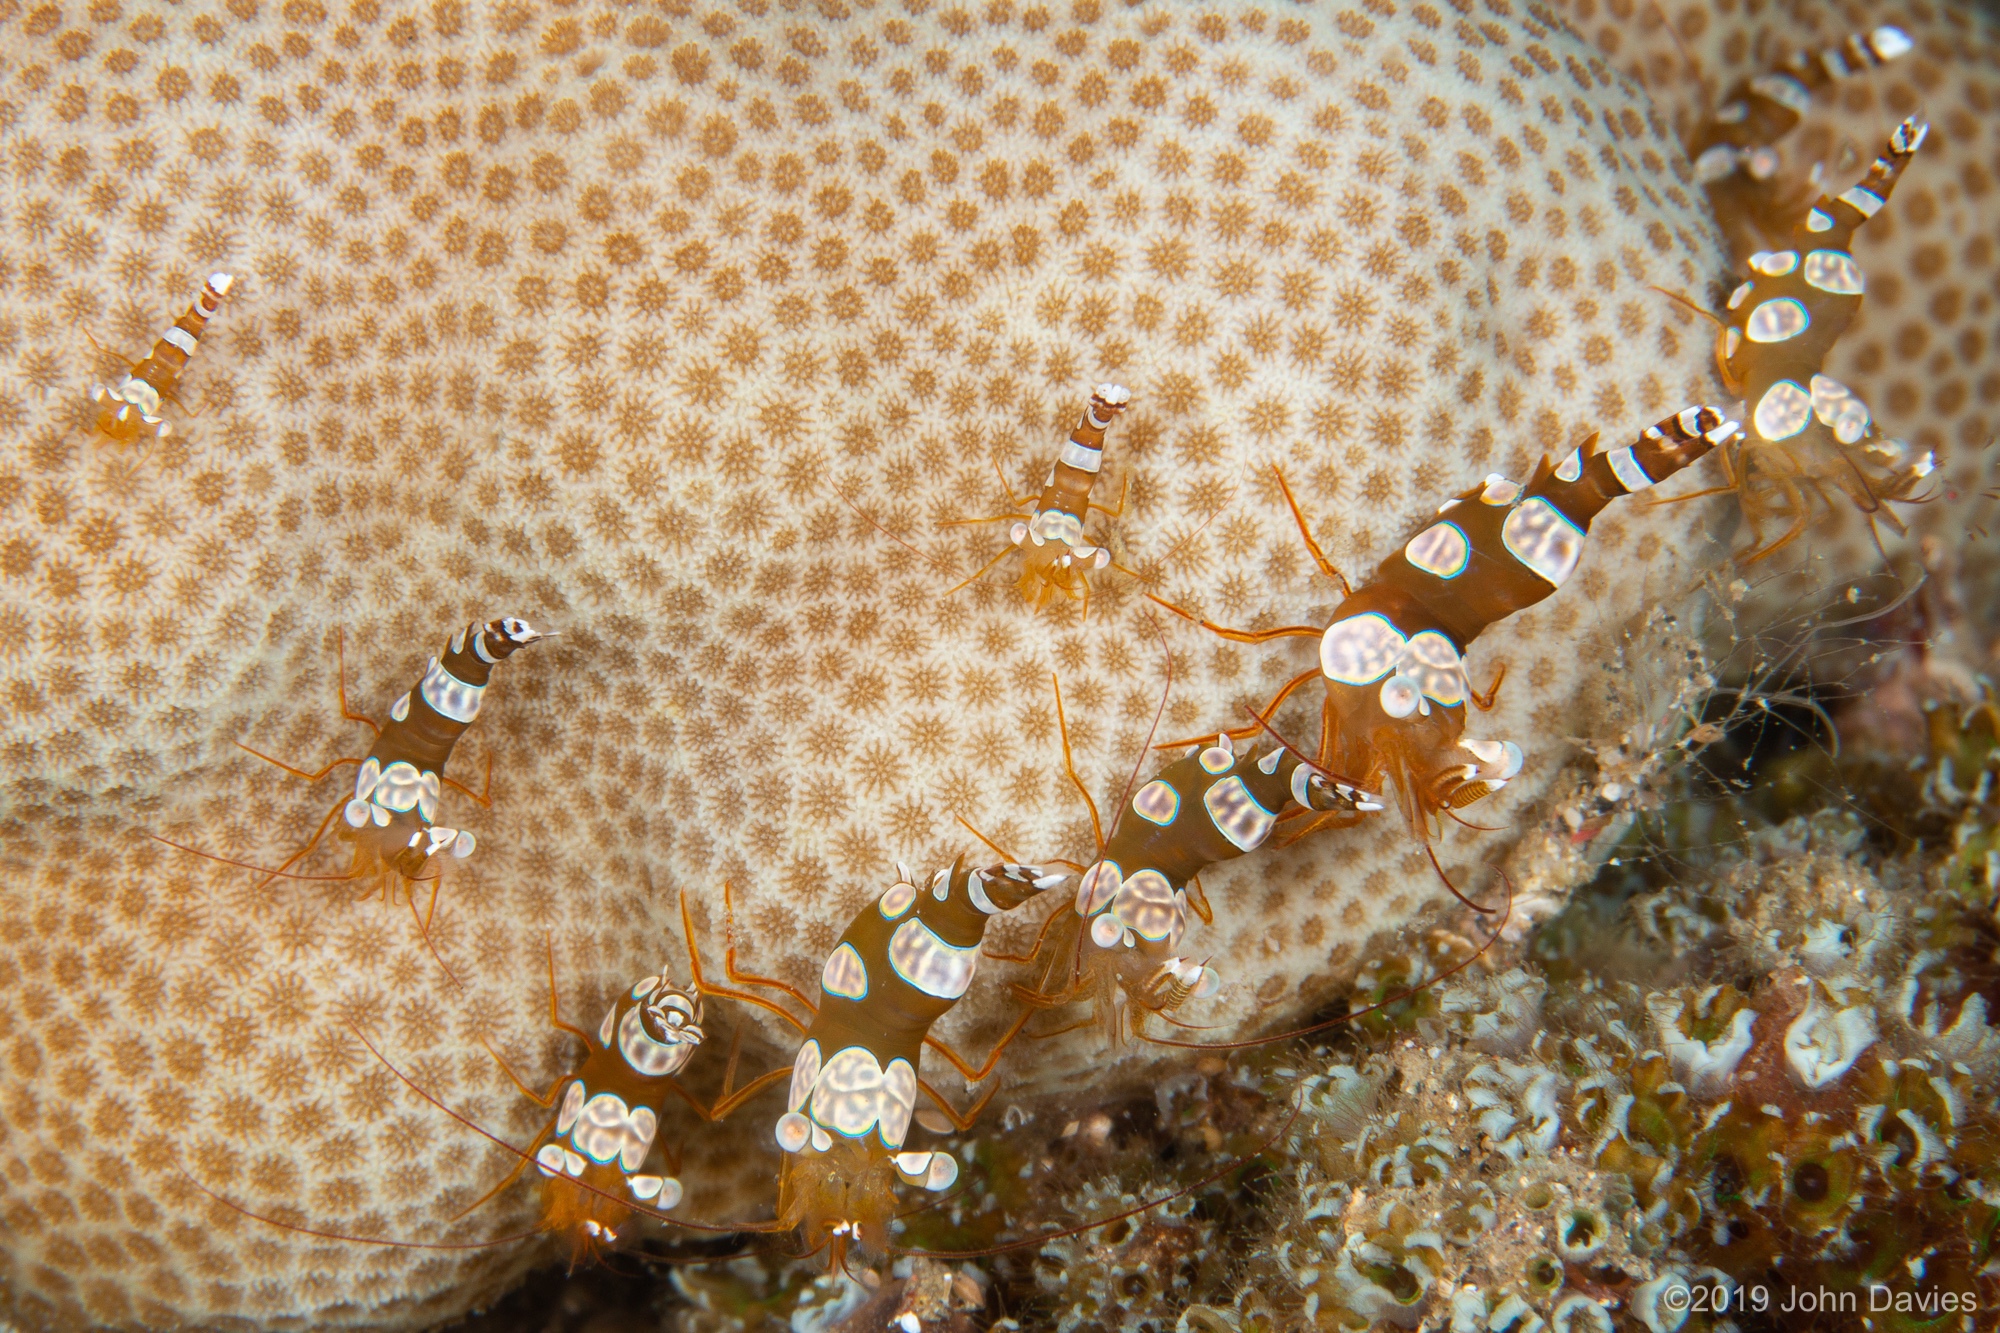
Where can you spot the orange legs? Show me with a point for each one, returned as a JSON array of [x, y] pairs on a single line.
[[484, 795], [1198, 900], [130, 366], [1004, 552], [1241, 635], [1484, 702], [1069, 766], [1266, 711], [962, 1121], [967, 1071], [728, 1101], [707, 987], [350, 715], [295, 772], [556, 1022], [305, 851], [1319, 556], [340, 684], [1326, 567]]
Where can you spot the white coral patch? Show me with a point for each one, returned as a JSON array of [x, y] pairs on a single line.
[[1500, 1015], [1704, 1066], [1823, 1042]]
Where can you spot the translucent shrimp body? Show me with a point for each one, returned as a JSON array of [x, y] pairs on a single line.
[[902, 963], [131, 407]]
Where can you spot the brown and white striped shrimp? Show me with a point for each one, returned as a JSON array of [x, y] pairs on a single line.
[[591, 1156], [1055, 558], [390, 817], [1119, 944], [901, 964], [1806, 431], [1392, 658], [1735, 152], [132, 406]]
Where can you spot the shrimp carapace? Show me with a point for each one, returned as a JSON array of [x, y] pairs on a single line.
[[1735, 152], [395, 803], [905, 959], [131, 407], [608, 1114], [1393, 657], [391, 814], [1121, 939], [1805, 431], [1055, 558]]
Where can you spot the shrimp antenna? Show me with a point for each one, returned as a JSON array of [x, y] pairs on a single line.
[[246, 865], [935, 1203], [1463, 822], [1199, 528], [238, 1208], [1431, 852], [869, 519], [1352, 1014], [487, 1134], [1688, 305], [1276, 1136]]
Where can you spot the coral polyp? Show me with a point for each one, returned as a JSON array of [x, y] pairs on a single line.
[[1822, 1124]]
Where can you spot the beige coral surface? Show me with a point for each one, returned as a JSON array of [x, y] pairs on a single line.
[[637, 323], [1924, 354]]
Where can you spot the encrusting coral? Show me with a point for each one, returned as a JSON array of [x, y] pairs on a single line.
[[1771, 1078], [1527, 1154], [613, 319]]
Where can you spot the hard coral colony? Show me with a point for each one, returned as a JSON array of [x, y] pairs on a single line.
[[606, 314]]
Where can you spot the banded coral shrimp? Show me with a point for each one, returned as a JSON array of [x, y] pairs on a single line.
[[389, 818], [904, 960], [1807, 433], [1392, 656], [1047, 528], [131, 407], [1055, 558], [1736, 150], [1117, 945]]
